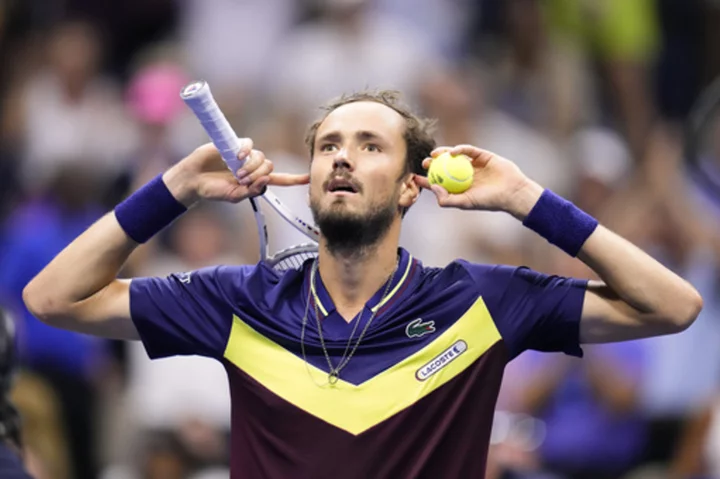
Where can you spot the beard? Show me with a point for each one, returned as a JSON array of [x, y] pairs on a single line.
[[353, 234]]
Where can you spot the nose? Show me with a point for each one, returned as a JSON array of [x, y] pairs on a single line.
[[342, 160]]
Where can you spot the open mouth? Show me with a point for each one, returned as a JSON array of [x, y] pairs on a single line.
[[341, 185]]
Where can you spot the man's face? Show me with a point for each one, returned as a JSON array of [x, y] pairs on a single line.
[[356, 174]]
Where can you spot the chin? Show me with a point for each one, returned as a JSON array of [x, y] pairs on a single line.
[[339, 203], [341, 211]]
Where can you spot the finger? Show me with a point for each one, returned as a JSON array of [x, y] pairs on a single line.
[[444, 198], [426, 163], [246, 146], [479, 156], [253, 161], [259, 186], [288, 179], [422, 182], [440, 150], [263, 169]]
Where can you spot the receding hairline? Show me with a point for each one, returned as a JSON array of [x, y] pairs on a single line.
[[329, 113], [384, 100]]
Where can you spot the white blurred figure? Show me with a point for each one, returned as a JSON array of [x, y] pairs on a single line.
[[232, 43], [72, 113], [444, 22], [349, 48]]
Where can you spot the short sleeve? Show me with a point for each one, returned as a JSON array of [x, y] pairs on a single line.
[[532, 310], [186, 313]]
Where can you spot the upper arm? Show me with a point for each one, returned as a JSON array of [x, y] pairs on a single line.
[[533, 310], [607, 318]]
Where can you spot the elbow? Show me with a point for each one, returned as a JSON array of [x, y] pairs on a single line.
[[42, 305], [688, 309]]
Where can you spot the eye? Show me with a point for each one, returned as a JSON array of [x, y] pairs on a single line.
[[372, 148], [328, 147]]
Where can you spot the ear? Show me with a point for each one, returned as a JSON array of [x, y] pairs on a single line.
[[409, 192]]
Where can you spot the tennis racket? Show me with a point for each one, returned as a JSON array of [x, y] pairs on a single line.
[[702, 141], [199, 98]]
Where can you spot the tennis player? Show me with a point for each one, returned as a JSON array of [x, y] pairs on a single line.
[[364, 363]]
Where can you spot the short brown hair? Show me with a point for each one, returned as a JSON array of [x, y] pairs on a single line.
[[418, 131]]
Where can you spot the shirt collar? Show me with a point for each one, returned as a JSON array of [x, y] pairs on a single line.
[[402, 274]]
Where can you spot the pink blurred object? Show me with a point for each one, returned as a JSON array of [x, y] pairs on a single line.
[[153, 95]]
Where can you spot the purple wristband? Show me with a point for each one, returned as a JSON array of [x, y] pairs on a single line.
[[147, 211], [560, 222]]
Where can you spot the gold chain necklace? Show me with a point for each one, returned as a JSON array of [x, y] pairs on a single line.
[[334, 373]]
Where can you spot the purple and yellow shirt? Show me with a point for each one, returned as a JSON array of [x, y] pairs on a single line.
[[417, 398]]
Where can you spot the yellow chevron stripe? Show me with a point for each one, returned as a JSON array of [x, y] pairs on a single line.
[[358, 408]]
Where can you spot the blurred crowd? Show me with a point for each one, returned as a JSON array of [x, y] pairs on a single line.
[[588, 97]]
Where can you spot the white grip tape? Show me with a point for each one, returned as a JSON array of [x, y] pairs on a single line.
[[198, 97]]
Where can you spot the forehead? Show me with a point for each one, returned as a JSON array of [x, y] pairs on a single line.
[[364, 116]]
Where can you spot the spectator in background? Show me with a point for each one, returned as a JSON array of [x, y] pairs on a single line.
[[234, 46], [536, 79], [353, 47], [594, 428], [70, 113], [69, 362], [45, 439], [153, 102], [622, 38], [11, 448], [444, 23], [698, 453]]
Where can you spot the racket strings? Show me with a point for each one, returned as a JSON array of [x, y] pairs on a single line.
[[293, 258]]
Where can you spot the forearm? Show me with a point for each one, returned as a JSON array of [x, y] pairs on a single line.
[[638, 279]]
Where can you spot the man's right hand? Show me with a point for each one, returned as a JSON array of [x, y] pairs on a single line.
[[203, 175]]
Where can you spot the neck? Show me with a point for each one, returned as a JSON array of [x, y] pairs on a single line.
[[352, 278]]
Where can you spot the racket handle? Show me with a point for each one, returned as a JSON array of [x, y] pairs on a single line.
[[199, 98]]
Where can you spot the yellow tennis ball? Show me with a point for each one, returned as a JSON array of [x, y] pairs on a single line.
[[454, 173]]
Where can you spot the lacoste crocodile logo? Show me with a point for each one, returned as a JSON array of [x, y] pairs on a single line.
[[418, 328]]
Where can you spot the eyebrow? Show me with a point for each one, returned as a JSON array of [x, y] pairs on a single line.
[[336, 136]]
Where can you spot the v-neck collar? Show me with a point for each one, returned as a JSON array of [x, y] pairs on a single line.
[[324, 302]]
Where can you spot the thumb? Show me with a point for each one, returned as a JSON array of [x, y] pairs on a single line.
[[444, 198]]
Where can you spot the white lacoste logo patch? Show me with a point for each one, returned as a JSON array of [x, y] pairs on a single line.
[[441, 360]]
